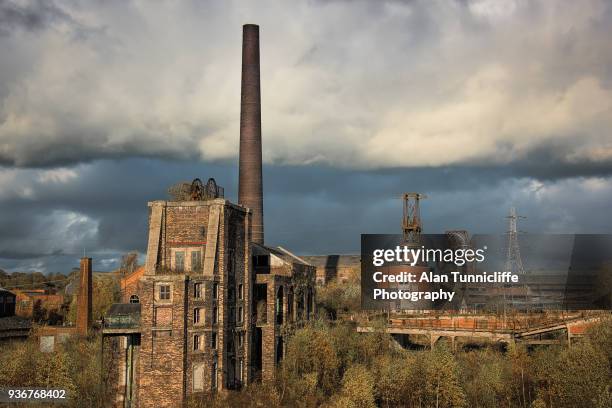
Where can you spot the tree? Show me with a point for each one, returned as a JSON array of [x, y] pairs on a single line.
[[394, 379], [310, 369], [600, 336], [357, 389], [485, 376], [105, 292], [39, 313], [129, 263], [519, 365], [581, 374], [440, 386]]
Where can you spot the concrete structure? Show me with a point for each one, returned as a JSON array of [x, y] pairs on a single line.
[[490, 328]]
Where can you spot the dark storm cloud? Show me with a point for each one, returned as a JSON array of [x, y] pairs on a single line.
[[49, 217], [30, 16], [478, 104], [100, 208]]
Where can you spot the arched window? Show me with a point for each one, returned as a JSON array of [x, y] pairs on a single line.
[[134, 299]]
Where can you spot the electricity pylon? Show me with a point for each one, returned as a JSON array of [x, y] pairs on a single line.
[[514, 263]]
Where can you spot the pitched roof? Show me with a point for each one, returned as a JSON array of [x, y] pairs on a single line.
[[333, 261], [132, 277], [2, 290], [279, 252]]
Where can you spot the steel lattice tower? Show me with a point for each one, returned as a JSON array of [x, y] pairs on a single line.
[[514, 263], [411, 221]]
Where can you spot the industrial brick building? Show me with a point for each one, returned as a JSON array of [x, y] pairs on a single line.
[[209, 310], [341, 268], [49, 336], [28, 300]]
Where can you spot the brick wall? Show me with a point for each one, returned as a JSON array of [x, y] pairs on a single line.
[[167, 357]]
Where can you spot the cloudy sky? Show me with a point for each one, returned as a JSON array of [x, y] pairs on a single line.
[[481, 105]]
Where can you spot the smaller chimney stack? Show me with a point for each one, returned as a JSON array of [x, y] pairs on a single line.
[[84, 307]]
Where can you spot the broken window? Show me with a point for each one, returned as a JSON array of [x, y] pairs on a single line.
[[196, 315], [213, 340], [134, 299], [196, 260], [261, 260], [213, 375], [215, 290], [240, 369], [197, 290], [215, 316], [179, 261], [279, 306]]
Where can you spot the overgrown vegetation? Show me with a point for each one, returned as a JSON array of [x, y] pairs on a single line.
[[106, 291], [333, 366], [339, 298], [73, 366], [329, 364]]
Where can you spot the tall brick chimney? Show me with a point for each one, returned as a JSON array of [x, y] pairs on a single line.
[[84, 319], [250, 184]]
